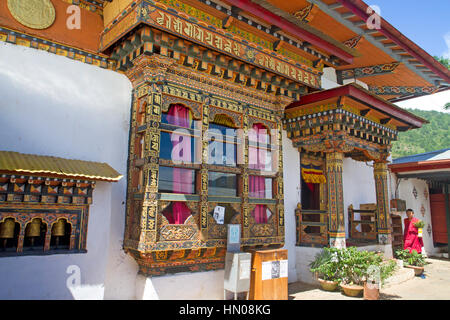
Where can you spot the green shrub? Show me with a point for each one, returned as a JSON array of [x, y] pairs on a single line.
[[326, 264], [351, 266], [411, 259]]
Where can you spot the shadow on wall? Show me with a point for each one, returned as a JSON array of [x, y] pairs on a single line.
[[56, 279]]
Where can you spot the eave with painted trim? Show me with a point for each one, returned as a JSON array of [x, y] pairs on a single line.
[[360, 94]]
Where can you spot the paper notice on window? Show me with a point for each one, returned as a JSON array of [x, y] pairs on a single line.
[[358, 227], [356, 216], [219, 214], [244, 270]]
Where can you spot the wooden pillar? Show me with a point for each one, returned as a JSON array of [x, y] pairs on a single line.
[[151, 168], [447, 211], [380, 172], [204, 172], [245, 179], [72, 238], [48, 237], [21, 238], [278, 165], [336, 220]]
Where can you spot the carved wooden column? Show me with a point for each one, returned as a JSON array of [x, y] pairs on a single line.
[[204, 172], [48, 237], [336, 222], [279, 179], [245, 178], [21, 237], [380, 173], [151, 167]]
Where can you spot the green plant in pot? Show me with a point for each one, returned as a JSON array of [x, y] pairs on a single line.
[[363, 270], [353, 267], [325, 267], [412, 260]]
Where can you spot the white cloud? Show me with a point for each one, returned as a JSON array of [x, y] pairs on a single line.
[[446, 54], [430, 102]]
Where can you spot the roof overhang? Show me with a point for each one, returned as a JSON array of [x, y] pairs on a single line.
[[359, 8], [365, 97], [29, 164], [306, 33], [420, 166]]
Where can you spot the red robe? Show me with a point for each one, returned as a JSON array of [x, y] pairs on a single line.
[[411, 238]]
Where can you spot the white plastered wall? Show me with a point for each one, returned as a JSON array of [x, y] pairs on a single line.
[[52, 105], [405, 191]]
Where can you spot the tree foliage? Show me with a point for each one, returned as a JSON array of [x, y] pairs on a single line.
[[432, 136], [444, 61]]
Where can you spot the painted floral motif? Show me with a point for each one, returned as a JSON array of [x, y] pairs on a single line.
[[415, 192], [422, 210]]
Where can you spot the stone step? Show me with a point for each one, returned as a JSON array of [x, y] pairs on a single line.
[[401, 275]]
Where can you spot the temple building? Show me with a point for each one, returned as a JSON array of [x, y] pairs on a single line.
[[134, 131]]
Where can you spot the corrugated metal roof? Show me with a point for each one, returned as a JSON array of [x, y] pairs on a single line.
[[443, 154], [32, 164]]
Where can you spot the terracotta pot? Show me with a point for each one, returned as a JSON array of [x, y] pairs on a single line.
[[417, 270], [371, 291], [328, 285], [352, 290]]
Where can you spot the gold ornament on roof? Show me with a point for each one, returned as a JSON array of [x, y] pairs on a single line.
[[35, 14]]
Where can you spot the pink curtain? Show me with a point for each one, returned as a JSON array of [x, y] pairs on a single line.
[[257, 160], [182, 178]]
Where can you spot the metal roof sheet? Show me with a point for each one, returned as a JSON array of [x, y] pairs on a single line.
[[32, 164], [443, 154]]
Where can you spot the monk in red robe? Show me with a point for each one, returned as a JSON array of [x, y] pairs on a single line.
[[411, 238]]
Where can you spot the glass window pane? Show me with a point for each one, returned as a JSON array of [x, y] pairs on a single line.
[[176, 180], [222, 184], [260, 187], [166, 147]]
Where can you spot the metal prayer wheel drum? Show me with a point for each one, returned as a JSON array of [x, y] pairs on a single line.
[[33, 228], [59, 228], [7, 228]]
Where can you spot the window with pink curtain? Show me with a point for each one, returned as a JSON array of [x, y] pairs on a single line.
[[259, 140], [180, 116]]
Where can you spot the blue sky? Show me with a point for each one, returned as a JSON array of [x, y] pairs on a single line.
[[427, 23]]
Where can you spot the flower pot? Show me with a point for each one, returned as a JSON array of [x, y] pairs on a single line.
[[328, 285], [371, 291], [417, 270], [352, 290]]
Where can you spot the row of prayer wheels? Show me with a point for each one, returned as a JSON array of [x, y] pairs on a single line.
[[33, 229]]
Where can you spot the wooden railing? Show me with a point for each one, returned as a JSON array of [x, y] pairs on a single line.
[[362, 223], [312, 227]]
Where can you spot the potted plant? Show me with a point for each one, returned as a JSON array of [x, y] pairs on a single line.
[[353, 264], [325, 268], [412, 260]]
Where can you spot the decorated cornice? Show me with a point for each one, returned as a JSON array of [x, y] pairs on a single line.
[[190, 28], [23, 39]]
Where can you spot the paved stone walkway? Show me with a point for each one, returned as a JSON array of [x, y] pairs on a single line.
[[435, 286]]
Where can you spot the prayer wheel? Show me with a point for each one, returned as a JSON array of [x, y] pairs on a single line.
[[59, 228], [33, 228], [7, 228]]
